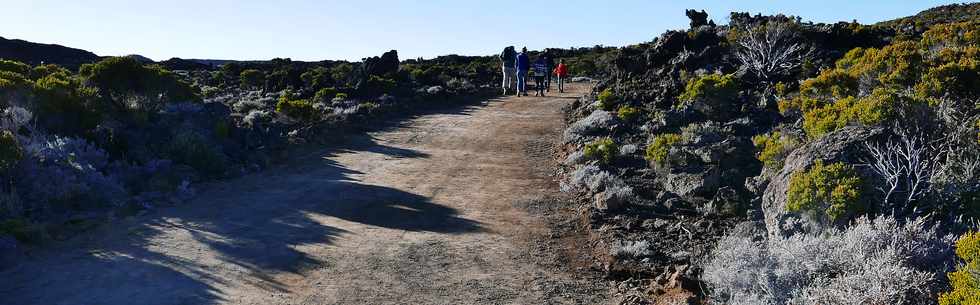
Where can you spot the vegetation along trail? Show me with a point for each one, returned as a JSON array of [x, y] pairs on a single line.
[[421, 213]]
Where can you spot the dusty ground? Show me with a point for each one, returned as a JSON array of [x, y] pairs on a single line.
[[446, 208]]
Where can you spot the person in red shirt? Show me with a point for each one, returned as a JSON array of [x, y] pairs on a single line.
[[561, 71]]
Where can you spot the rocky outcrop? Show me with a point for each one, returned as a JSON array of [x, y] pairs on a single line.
[[844, 145]]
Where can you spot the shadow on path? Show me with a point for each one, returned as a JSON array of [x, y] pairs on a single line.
[[246, 229]]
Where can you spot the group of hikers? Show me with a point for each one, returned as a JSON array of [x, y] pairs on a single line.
[[517, 66]]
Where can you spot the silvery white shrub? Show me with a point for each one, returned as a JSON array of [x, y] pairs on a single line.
[[576, 157], [68, 169], [878, 261], [14, 117], [630, 249], [253, 100], [598, 120], [257, 117], [619, 191], [628, 149]]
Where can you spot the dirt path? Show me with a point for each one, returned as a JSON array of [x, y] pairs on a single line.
[[422, 213]]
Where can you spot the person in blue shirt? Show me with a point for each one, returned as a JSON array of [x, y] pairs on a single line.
[[523, 64], [540, 72]]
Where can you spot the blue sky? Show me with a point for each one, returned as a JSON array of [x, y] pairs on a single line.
[[353, 29]]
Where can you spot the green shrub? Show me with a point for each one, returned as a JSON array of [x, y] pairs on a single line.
[[781, 89], [298, 109], [121, 76], [773, 148], [10, 81], [869, 85], [65, 105], [325, 95], [341, 96], [10, 151], [869, 110], [603, 150], [44, 70], [318, 77], [959, 76], [825, 191], [628, 113], [659, 148], [833, 83], [193, 149], [965, 281], [951, 35], [341, 73], [252, 78], [14, 67], [377, 84], [607, 100], [714, 89]]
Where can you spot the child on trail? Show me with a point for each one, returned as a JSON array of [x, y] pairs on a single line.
[[507, 58], [561, 72], [522, 63], [540, 72]]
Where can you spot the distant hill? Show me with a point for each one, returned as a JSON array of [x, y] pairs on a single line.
[[141, 58], [38, 53], [939, 14], [185, 64]]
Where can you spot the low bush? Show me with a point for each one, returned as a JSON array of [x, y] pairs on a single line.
[[62, 174], [825, 192], [252, 78], [713, 89], [193, 149], [14, 67], [41, 71], [965, 280], [368, 107], [773, 148], [591, 177], [628, 113], [10, 151], [659, 148], [325, 95], [317, 77], [631, 249], [878, 261], [607, 100], [595, 123], [377, 85], [604, 150], [869, 85], [298, 109], [65, 106], [873, 109], [126, 76]]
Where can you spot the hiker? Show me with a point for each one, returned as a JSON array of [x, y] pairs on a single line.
[[522, 63], [540, 72], [561, 72], [507, 62], [549, 62]]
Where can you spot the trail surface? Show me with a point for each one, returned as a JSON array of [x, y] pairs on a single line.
[[424, 212]]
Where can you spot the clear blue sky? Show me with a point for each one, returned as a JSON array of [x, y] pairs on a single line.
[[353, 29]]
